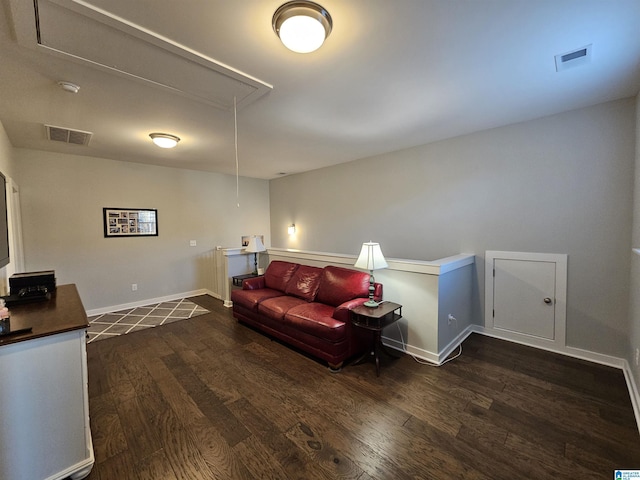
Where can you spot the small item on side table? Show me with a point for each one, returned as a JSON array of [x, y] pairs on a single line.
[[238, 279], [20, 281], [4, 311], [5, 322], [375, 320]]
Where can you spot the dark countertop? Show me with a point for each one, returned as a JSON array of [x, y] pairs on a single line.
[[63, 312]]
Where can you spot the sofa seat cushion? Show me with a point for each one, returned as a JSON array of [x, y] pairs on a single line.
[[252, 298], [305, 282], [339, 285], [278, 274], [316, 319], [276, 307]]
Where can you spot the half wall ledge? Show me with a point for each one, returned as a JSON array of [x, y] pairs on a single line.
[[430, 267], [429, 291]]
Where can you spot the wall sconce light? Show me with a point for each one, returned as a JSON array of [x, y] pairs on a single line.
[[164, 140], [291, 229]]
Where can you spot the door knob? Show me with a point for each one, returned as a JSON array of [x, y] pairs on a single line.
[[547, 300]]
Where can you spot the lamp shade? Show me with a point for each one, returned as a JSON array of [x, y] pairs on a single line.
[[371, 257], [255, 245]]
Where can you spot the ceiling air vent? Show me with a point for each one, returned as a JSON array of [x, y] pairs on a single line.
[[574, 58], [66, 135]]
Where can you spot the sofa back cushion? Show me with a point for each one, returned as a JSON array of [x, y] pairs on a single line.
[[305, 282], [338, 285], [278, 274]]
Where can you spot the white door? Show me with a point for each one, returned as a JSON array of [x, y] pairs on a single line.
[[526, 295]]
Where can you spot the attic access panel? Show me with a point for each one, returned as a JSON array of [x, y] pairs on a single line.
[[83, 33]]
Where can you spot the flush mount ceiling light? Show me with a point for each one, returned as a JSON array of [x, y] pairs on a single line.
[[302, 26], [69, 87], [164, 140]]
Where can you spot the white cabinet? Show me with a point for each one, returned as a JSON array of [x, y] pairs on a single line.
[[44, 409]]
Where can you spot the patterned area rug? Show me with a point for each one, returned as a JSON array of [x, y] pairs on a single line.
[[129, 320]]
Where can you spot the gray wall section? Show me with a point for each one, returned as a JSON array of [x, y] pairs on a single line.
[[560, 184], [634, 309], [62, 201]]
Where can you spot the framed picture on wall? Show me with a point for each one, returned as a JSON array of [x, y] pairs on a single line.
[[130, 222]]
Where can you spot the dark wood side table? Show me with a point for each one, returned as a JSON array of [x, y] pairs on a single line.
[[238, 279], [375, 320]]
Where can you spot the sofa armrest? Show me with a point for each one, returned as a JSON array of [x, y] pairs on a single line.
[[377, 292], [342, 311], [255, 283]]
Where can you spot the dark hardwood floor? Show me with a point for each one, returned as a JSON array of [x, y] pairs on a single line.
[[207, 398]]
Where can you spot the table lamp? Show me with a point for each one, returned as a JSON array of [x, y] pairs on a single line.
[[371, 259], [255, 246]]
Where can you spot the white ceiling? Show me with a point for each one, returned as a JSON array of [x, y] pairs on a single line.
[[392, 74]]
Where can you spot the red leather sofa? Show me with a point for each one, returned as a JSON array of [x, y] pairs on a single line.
[[307, 307]]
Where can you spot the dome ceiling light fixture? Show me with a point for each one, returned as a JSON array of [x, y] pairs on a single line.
[[302, 26], [164, 140], [69, 87]]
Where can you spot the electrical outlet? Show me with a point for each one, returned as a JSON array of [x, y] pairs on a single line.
[[637, 359], [134, 287], [192, 243]]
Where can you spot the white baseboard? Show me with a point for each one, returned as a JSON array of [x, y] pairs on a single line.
[[435, 358], [213, 294], [148, 301], [411, 350], [530, 341]]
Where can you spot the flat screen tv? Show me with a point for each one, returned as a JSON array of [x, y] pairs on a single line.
[[4, 229]]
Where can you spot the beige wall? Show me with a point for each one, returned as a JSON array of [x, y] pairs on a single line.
[[62, 200], [634, 309], [6, 152], [560, 184]]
